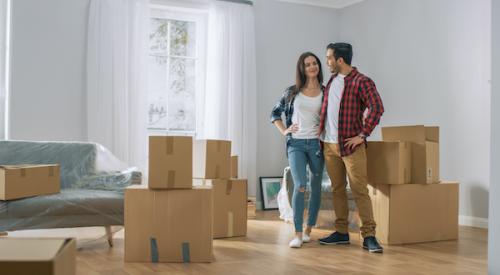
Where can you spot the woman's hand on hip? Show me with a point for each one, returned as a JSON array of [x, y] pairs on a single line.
[[294, 128]]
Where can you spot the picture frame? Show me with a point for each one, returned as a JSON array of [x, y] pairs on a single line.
[[269, 189]]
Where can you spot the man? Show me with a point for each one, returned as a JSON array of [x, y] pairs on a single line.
[[343, 130]]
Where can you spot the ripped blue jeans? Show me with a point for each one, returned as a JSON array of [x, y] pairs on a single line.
[[303, 153]]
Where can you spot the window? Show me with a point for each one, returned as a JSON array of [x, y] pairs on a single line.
[[176, 69]]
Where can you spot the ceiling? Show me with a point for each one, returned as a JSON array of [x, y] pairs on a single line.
[[336, 4]]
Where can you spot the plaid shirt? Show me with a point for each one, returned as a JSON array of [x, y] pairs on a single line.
[[359, 94], [285, 105]]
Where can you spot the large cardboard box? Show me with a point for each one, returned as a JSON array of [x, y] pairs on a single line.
[[212, 159], [168, 225], [234, 167], [21, 181], [27, 256], [230, 206], [170, 162], [425, 150], [414, 213], [389, 162]]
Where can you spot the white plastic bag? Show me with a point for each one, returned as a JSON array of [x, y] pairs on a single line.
[[286, 211]]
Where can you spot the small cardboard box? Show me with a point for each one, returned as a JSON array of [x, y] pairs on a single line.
[[230, 206], [414, 213], [234, 167], [389, 162], [170, 162], [21, 181], [212, 159], [251, 208], [168, 225], [28, 256], [425, 150]]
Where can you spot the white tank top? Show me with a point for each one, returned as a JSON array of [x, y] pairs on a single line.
[[306, 111]]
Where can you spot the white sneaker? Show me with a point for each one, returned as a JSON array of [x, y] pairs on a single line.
[[306, 238], [295, 243]]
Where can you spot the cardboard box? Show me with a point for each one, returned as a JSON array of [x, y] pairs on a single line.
[[28, 256], [230, 206], [212, 159], [21, 181], [251, 208], [425, 150], [170, 162], [389, 162], [168, 225], [414, 213], [234, 167]]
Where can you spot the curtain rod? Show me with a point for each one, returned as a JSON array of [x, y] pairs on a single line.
[[245, 2]]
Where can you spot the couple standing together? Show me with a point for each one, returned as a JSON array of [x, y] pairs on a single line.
[[329, 125]]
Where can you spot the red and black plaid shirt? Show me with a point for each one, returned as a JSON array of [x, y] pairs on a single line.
[[359, 94]]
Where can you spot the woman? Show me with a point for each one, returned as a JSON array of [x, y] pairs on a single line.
[[301, 104]]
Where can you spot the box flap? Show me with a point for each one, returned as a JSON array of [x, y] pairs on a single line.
[[415, 133], [24, 249], [432, 133]]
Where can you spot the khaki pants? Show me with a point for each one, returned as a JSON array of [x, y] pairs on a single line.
[[354, 166]]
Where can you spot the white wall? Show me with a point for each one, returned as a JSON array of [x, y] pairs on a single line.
[[494, 220], [431, 63], [283, 32], [48, 70]]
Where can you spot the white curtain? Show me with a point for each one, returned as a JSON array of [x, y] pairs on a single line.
[[228, 109], [4, 17], [116, 77]]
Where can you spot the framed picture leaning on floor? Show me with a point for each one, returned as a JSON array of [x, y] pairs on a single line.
[[269, 189]]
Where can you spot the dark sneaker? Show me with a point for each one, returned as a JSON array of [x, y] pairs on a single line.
[[371, 244], [335, 238]]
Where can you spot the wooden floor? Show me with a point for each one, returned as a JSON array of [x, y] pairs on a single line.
[[265, 251]]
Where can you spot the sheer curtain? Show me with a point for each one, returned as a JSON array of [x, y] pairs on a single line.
[[4, 32], [228, 109], [116, 77]]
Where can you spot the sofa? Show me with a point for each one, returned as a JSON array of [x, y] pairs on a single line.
[[92, 186]]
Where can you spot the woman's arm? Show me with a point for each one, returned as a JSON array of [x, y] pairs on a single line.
[[283, 130], [276, 114]]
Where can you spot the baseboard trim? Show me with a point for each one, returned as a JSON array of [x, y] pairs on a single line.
[[462, 220], [258, 205], [473, 221]]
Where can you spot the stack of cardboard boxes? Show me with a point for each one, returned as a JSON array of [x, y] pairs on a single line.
[[214, 167], [410, 203], [190, 199], [171, 221]]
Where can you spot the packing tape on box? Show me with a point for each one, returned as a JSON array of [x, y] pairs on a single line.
[[219, 145], [230, 224], [23, 172], [51, 171], [171, 179], [154, 250], [229, 187], [186, 258], [170, 145]]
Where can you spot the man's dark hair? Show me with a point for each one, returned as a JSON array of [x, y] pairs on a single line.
[[343, 50]]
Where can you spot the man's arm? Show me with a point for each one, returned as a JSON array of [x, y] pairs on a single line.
[[371, 100]]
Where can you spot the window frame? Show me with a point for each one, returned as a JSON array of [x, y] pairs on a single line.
[[200, 17]]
